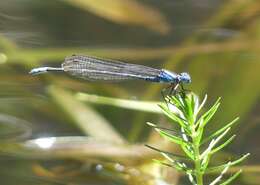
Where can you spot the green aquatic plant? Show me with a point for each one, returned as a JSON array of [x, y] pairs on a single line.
[[198, 150]]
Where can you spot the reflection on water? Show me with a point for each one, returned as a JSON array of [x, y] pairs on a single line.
[[217, 42], [45, 143]]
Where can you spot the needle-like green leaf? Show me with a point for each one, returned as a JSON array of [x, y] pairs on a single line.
[[173, 165], [217, 180], [230, 179], [174, 117], [176, 156], [188, 151], [161, 128], [213, 143], [219, 168], [175, 139], [201, 105], [205, 118], [219, 131], [223, 145]]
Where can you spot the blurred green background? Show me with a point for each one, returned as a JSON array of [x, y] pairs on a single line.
[[56, 129]]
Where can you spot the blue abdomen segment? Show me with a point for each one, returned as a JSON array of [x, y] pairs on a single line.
[[165, 77]]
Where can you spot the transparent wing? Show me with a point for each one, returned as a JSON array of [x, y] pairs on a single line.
[[91, 68]]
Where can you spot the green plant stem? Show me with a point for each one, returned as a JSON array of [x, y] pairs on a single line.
[[198, 174], [197, 162]]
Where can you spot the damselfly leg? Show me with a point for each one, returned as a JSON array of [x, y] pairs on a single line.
[[174, 89], [170, 90], [164, 92], [184, 91]]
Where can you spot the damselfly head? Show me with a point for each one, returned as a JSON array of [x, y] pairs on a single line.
[[184, 77]]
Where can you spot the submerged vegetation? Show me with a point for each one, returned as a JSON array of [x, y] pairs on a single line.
[[184, 110]]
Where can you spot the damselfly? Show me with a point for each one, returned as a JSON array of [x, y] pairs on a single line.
[[98, 69]]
